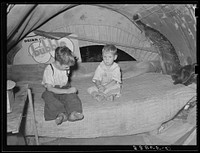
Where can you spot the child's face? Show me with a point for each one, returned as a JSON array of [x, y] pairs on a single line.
[[63, 67], [109, 58]]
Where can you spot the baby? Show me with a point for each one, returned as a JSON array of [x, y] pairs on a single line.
[[107, 77]]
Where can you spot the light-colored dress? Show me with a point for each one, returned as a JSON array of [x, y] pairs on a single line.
[[106, 75]]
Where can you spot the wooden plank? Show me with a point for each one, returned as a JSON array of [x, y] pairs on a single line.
[[129, 38], [121, 39], [125, 39], [118, 36], [185, 137], [33, 115], [81, 30], [114, 34], [96, 32], [25, 72], [108, 33], [15, 139], [191, 138], [72, 29]]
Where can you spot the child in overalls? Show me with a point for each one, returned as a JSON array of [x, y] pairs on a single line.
[[61, 100], [107, 77]]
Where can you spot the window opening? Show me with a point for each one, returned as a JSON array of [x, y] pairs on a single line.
[[94, 54]]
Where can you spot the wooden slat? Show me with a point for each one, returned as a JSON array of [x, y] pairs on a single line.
[[192, 137], [145, 55], [129, 38], [118, 35], [125, 38], [96, 32], [81, 30], [122, 37], [114, 34], [134, 40], [101, 31], [142, 56], [72, 29], [33, 115], [185, 137], [106, 36]]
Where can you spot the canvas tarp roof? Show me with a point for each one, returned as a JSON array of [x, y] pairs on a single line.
[[179, 26]]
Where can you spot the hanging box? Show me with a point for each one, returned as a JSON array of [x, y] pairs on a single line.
[[10, 95]]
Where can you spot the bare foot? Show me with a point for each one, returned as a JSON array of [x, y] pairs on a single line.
[[75, 116], [60, 118]]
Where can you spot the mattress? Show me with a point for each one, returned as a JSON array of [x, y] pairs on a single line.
[[146, 102]]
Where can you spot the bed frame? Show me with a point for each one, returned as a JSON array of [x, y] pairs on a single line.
[[148, 100]]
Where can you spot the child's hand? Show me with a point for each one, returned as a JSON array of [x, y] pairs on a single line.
[[102, 88], [72, 90]]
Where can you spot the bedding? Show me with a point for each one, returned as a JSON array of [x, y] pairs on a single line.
[[146, 102]]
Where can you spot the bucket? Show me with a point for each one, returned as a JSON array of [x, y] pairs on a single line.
[[10, 95]]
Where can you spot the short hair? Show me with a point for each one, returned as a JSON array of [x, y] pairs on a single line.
[[64, 56], [110, 48]]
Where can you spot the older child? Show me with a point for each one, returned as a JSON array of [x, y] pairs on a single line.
[[107, 77], [61, 101]]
